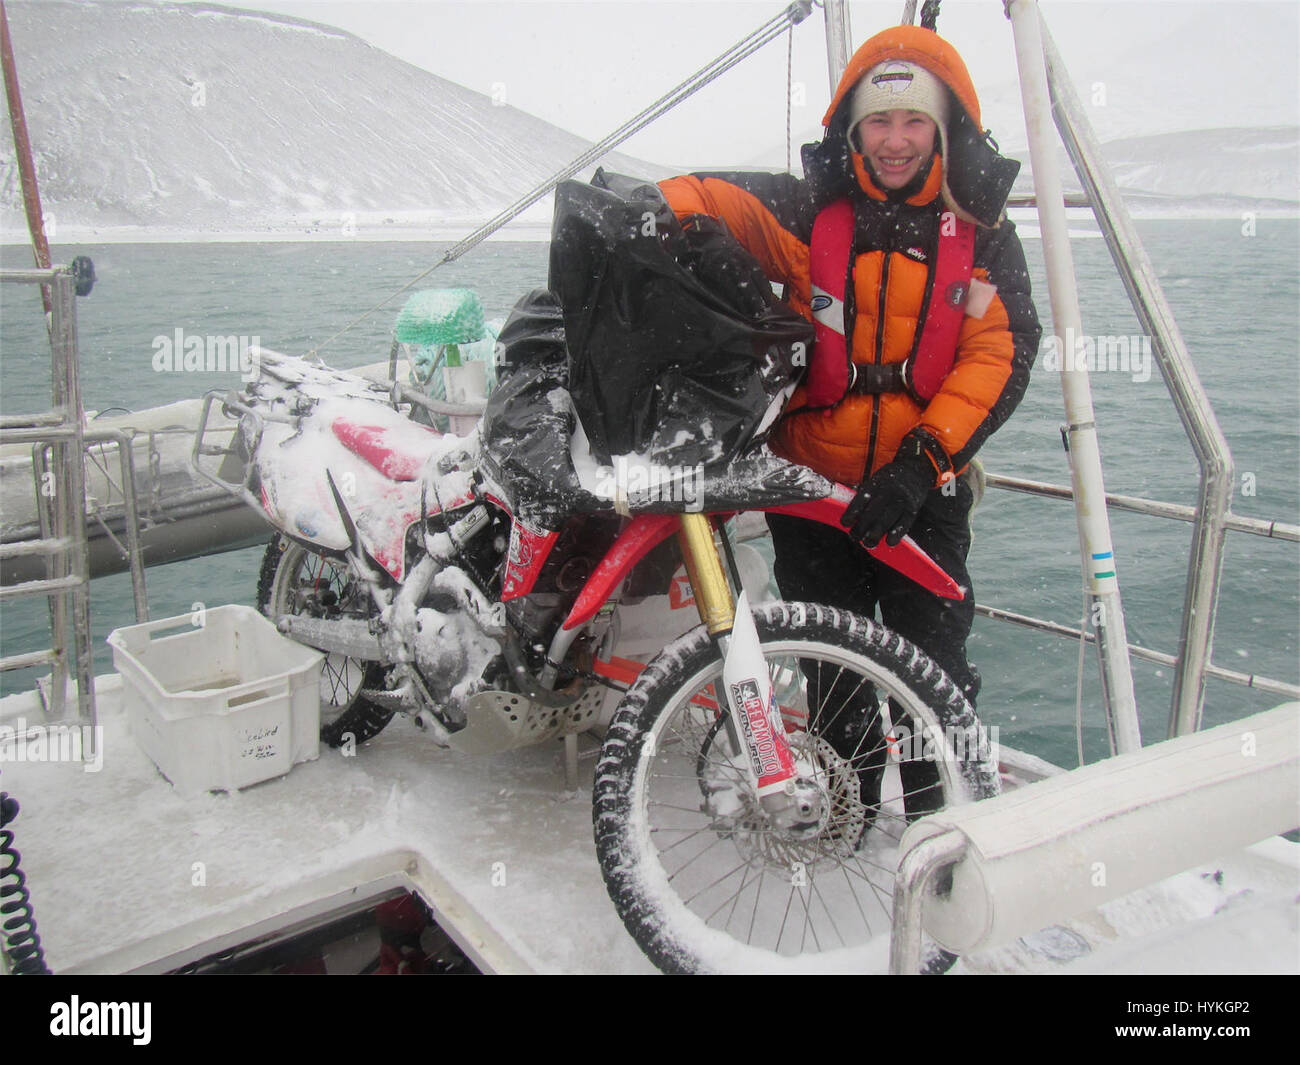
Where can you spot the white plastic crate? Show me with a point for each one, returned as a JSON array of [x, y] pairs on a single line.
[[222, 705]]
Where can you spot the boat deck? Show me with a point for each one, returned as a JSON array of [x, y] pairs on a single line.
[[127, 876]]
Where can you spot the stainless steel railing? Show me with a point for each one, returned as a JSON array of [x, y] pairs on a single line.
[[60, 498]]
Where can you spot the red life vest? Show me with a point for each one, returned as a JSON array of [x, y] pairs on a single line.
[[831, 373]]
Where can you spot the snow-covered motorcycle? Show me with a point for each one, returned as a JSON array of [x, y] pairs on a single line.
[[759, 770], [755, 778]]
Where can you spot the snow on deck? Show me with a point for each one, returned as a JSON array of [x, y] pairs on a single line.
[[126, 875]]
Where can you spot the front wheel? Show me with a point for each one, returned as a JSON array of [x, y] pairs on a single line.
[[294, 580], [702, 879]]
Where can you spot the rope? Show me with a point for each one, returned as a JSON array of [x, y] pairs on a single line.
[[795, 13], [930, 14]]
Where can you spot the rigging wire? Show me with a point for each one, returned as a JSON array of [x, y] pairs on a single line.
[[1078, 683], [793, 14]]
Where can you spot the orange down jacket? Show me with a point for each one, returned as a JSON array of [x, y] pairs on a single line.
[[895, 241]]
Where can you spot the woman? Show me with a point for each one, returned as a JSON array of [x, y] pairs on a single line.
[[896, 245]]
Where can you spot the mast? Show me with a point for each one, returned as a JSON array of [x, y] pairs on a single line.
[[23, 153], [838, 36]]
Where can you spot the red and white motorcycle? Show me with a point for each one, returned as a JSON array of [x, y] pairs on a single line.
[[758, 772]]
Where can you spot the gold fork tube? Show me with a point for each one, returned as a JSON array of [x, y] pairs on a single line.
[[712, 593]]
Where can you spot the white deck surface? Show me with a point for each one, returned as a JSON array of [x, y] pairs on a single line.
[[111, 857], [125, 875]]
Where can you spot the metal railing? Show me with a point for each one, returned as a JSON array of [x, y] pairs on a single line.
[[1271, 530], [1205, 563], [60, 496]]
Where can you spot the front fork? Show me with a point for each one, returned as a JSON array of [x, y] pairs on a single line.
[[754, 721]]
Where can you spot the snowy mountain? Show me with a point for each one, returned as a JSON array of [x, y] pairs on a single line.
[[1194, 103], [1227, 169], [1205, 169], [206, 118]]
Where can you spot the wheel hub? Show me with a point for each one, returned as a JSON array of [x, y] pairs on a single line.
[[823, 818]]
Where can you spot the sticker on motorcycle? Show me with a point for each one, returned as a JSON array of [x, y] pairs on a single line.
[[765, 754], [525, 558]]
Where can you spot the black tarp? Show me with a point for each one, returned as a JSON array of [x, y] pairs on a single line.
[[677, 346], [684, 355]]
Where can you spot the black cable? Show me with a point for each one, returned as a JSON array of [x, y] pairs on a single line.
[[18, 938]]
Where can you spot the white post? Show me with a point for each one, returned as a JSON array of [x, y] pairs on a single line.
[[838, 34], [1101, 584], [465, 384]]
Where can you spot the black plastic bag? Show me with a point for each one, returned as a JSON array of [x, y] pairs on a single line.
[[529, 420], [677, 348]]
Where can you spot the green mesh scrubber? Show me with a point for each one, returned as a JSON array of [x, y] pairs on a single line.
[[441, 316]]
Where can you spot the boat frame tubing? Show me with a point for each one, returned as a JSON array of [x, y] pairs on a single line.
[[130, 515], [1205, 562], [835, 14], [62, 517], [1105, 611]]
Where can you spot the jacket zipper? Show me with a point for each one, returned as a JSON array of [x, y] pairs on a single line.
[[880, 340]]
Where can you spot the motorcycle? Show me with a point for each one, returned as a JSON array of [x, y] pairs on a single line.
[[757, 773]]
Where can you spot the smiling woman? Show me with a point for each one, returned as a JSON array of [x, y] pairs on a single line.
[[896, 144], [917, 285], [895, 114]]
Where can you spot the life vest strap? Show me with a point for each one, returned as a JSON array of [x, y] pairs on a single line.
[[936, 350], [867, 379]]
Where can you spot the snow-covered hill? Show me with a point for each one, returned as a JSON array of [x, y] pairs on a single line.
[[1194, 103], [1225, 169], [1202, 170], [209, 119]]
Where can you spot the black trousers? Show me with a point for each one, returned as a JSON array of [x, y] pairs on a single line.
[[820, 564]]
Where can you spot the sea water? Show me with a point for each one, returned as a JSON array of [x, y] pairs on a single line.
[[1233, 287]]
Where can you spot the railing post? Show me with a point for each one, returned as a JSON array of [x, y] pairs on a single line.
[[1105, 612], [1205, 562]]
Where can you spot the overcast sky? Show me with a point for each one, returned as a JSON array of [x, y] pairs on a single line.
[[588, 66]]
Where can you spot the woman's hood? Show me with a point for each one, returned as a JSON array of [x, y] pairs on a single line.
[[976, 179], [915, 45]]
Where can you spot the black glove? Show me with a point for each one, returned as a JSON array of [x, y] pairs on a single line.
[[889, 500]]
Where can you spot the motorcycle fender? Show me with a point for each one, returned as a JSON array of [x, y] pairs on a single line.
[[642, 535], [907, 558]]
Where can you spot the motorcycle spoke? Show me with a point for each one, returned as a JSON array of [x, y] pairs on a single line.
[[830, 917], [780, 935], [691, 861], [734, 900], [670, 806], [807, 921], [709, 887], [875, 888], [856, 897], [691, 835]]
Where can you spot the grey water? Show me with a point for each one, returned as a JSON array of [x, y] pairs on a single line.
[[1236, 296]]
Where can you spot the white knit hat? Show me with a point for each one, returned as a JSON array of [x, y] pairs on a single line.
[[897, 84]]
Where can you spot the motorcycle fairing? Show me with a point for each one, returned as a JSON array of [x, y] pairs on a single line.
[[293, 462], [399, 452], [642, 535], [647, 531], [907, 557]]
